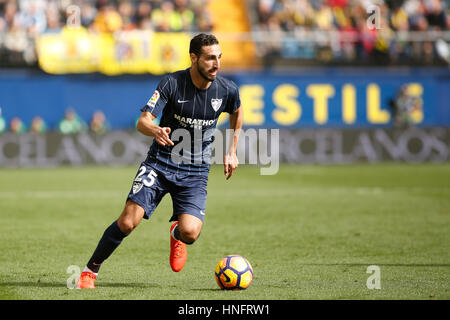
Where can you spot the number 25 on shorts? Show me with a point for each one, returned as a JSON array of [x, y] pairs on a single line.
[[149, 180]]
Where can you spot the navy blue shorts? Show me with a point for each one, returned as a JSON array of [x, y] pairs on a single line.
[[188, 192]]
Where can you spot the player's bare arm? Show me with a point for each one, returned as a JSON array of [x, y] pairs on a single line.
[[147, 127], [230, 160]]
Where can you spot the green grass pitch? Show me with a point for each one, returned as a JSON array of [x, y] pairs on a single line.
[[310, 232]]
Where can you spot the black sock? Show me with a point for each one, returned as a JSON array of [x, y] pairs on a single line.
[[110, 240]]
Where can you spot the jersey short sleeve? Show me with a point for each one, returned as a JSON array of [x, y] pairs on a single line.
[[159, 98], [234, 101]]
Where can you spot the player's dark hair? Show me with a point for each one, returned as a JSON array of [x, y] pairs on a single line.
[[201, 40]]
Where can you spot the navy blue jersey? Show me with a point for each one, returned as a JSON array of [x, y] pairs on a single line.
[[189, 112]]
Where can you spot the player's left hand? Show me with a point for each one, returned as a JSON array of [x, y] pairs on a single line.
[[230, 163]]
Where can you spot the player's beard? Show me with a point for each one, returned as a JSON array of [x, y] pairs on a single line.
[[204, 73]]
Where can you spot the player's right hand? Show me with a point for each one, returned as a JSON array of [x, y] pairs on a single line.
[[162, 136]]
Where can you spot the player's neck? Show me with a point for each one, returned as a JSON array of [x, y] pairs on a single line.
[[198, 80]]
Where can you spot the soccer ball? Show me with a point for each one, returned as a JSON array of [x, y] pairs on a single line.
[[234, 273]]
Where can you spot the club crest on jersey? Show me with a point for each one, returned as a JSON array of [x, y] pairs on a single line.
[[137, 186], [153, 99], [216, 103]]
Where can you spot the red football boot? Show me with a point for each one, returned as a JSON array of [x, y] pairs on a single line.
[[178, 252], [86, 280]]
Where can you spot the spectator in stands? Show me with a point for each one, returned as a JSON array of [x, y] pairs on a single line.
[[324, 18], [9, 13], [142, 16], [17, 126], [128, 12], [53, 18], [399, 19], [98, 123], [404, 106], [17, 45], [165, 18], [87, 14], [38, 125], [184, 16], [32, 16], [107, 19], [71, 123], [435, 14], [204, 21], [2, 122]]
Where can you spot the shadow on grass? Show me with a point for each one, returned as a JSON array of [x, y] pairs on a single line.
[[128, 285], [207, 289], [33, 284], [64, 285]]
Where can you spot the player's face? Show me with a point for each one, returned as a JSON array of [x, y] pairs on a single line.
[[208, 63]]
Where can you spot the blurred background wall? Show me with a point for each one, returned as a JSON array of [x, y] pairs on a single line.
[[85, 67]]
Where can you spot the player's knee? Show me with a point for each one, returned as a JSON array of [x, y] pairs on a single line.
[[189, 228], [131, 215], [189, 235], [126, 225]]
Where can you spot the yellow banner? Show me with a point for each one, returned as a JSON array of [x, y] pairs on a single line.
[[70, 51], [75, 50]]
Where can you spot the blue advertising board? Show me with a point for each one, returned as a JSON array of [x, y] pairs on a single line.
[[313, 98], [350, 99]]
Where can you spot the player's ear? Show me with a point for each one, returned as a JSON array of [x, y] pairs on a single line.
[[193, 58]]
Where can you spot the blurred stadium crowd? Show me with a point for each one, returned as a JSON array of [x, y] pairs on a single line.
[[395, 31], [316, 30], [22, 20], [351, 14]]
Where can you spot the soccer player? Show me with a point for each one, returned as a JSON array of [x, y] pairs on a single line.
[[189, 100]]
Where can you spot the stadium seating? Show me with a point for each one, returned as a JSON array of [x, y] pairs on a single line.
[[414, 32]]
